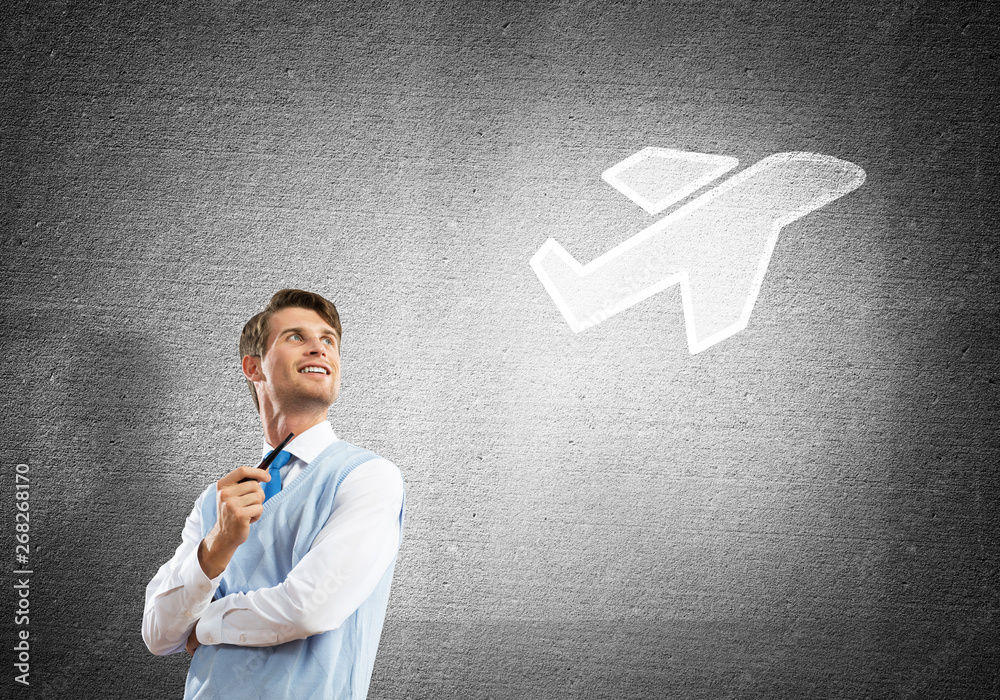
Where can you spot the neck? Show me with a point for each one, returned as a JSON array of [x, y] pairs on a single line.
[[277, 424]]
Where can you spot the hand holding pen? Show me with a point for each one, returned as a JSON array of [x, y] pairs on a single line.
[[239, 502]]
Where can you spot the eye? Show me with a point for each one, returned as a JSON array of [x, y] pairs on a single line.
[[328, 340], [295, 336]]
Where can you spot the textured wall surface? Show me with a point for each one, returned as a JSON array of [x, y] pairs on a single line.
[[805, 510]]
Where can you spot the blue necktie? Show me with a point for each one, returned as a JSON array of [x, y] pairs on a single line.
[[273, 486]]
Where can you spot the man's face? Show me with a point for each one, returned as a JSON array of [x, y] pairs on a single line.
[[301, 363]]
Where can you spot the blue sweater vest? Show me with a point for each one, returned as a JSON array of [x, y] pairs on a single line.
[[333, 665]]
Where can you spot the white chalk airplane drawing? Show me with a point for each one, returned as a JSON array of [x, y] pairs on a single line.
[[716, 247]]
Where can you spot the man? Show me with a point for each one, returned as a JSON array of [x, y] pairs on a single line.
[[282, 594]]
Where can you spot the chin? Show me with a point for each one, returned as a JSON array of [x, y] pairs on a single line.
[[310, 399]]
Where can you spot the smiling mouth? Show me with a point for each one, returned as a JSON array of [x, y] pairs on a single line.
[[313, 370]]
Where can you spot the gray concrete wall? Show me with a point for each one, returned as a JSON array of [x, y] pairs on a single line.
[[807, 509]]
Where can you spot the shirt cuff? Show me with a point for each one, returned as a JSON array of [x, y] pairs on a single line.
[[216, 624]]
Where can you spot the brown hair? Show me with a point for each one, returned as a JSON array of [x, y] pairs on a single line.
[[253, 339]]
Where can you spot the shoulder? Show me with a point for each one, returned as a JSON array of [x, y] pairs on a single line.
[[208, 494], [376, 475], [382, 469], [194, 518], [347, 463], [346, 454]]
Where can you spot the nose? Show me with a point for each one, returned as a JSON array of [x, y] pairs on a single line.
[[316, 347]]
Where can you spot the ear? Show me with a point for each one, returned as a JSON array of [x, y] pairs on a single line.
[[251, 368]]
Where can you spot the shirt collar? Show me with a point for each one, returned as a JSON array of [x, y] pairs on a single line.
[[307, 446]]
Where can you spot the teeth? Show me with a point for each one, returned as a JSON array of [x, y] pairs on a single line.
[[318, 370]]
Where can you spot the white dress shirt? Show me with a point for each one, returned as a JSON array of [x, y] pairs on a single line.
[[346, 561]]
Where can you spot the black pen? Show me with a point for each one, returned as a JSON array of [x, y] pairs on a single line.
[[274, 453], [271, 455]]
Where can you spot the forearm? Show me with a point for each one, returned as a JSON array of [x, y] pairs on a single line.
[[214, 556], [297, 608]]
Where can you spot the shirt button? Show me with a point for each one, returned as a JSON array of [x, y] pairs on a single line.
[[187, 613], [206, 588], [209, 638], [243, 637]]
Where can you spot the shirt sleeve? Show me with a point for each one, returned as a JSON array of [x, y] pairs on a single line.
[[342, 568], [179, 592]]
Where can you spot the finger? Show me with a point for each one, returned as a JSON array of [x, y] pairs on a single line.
[[240, 473], [240, 490], [247, 480], [242, 500]]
